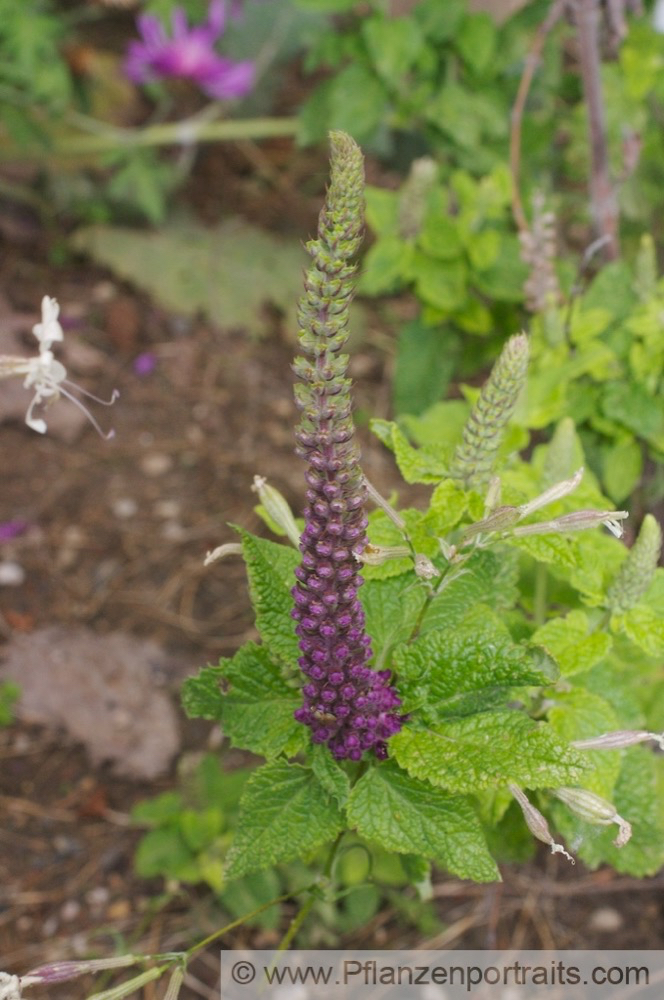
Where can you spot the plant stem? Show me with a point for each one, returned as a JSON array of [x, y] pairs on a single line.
[[186, 133], [190, 952], [603, 200], [531, 63]]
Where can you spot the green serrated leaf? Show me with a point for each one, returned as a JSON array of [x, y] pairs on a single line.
[[392, 607], [202, 697], [163, 810], [475, 585], [270, 568], [569, 641], [390, 808], [164, 852], [488, 750], [643, 626], [417, 465], [285, 813], [426, 357], [393, 45], [556, 550], [446, 508], [476, 41], [258, 707], [478, 655], [331, 775]]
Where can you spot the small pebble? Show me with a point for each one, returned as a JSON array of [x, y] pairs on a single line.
[[70, 910], [98, 897], [168, 509], [50, 926], [173, 531], [120, 909], [124, 507], [156, 463], [12, 574], [606, 920]]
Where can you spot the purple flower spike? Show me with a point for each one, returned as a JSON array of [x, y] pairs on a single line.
[[347, 705], [189, 54]]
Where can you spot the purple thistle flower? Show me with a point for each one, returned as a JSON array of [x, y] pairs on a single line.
[[347, 705], [189, 53]]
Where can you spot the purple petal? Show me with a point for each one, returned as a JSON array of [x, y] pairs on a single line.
[[151, 29], [180, 26], [12, 529], [229, 79], [217, 18]]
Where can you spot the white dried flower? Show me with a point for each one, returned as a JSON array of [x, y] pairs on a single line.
[[619, 739], [594, 809], [277, 509], [229, 549], [536, 822], [46, 376]]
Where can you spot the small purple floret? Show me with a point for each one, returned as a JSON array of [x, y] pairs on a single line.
[[144, 364], [189, 54], [12, 529], [346, 704]]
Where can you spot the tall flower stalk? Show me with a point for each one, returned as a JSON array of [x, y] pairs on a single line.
[[347, 706]]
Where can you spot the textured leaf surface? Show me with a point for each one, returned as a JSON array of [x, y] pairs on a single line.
[[392, 608], [447, 507], [258, 708], [390, 808], [475, 585], [179, 265], [487, 751], [477, 655], [569, 641], [285, 813], [417, 465], [644, 627], [202, 697], [330, 773], [270, 567]]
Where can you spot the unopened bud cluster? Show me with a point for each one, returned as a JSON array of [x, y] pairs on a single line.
[[347, 706], [475, 457], [636, 573]]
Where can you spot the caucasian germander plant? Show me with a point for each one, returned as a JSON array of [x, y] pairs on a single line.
[[425, 677]]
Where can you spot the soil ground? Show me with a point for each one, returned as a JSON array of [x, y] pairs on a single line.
[[118, 534]]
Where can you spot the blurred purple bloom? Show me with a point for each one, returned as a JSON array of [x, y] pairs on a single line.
[[12, 529], [144, 364], [189, 53]]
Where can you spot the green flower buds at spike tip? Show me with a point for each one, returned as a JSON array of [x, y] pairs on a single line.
[[475, 457], [636, 573]]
